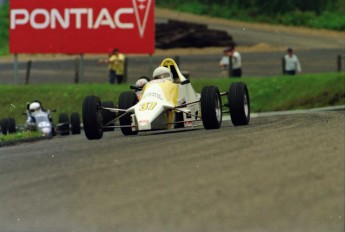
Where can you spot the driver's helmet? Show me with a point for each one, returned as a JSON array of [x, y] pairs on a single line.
[[142, 81], [162, 73], [34, 106]]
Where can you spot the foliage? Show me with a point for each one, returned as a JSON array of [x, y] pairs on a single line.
[[310, 13], [4, 9]]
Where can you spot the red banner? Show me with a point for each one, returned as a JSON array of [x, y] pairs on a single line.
[[87, 26]]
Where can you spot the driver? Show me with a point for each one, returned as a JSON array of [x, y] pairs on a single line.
[[141, 82], [35, 107], [162, 73], [32, 108]]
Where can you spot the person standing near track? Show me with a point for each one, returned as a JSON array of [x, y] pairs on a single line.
[[292, 64], [236, 61], [116, 66]]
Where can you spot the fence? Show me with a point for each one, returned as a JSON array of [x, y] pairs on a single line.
[[68, 70]]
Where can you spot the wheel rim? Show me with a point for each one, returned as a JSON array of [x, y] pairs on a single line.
[[218, 108], [246, 107]]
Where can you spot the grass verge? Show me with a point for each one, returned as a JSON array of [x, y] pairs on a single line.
[[18, 136]]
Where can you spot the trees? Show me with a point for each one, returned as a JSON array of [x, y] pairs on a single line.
[[311, 13]]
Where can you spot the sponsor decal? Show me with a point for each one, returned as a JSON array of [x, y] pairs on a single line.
[[71, 26], [151, 94], [143, 122]]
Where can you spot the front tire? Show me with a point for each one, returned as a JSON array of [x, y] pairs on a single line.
[[127, 100], [92, 118], [211, 107], [75, 123], [239, 104]]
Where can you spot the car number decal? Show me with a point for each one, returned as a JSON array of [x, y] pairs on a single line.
[[147, 106]]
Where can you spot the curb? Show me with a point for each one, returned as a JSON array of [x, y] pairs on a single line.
[[289, 112]]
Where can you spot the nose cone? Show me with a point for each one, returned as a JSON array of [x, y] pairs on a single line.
[[46, 131], [150, 116]]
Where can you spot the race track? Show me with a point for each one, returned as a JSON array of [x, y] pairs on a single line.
[[280, 173]]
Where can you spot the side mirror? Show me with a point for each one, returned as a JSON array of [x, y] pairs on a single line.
[[135, 87]]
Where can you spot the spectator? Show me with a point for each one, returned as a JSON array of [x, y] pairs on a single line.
[[116, 66], [235, 58], [292, 64], [224, 63]]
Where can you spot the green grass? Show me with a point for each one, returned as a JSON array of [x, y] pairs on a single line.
[[18, 136], [267, 94]]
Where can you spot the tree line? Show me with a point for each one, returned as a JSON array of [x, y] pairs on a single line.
[[273, 7], [328, 14]]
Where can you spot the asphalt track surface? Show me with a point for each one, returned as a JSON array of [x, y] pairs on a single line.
[[279, 173]]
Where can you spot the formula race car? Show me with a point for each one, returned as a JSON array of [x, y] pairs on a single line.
[[40, 120], [166, 102]]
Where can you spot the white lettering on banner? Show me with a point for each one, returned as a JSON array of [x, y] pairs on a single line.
[[121, 12], [19, 21], [53, 18], [78, 12], [43, 24], [104, 19], [56, 16]]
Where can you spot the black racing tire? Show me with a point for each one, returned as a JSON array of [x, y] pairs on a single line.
[[3, 125], [211, 107], [239, 103], [75, 123], [11, 126], [92, 118], [64, 124], [108, 116], [127, 100], [54, 131]]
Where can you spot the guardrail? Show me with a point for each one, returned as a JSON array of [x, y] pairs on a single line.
[[200, 66]]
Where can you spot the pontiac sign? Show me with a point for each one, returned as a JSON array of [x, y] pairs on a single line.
[[88, 26]]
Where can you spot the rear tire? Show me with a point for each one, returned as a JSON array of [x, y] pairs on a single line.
[[11, 125], [127, 100], [211, 107], [239, 104], [75, 123], [92, 118], [64, 128], [108, 115]]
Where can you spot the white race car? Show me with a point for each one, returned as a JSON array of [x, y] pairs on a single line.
[[166, 104]]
